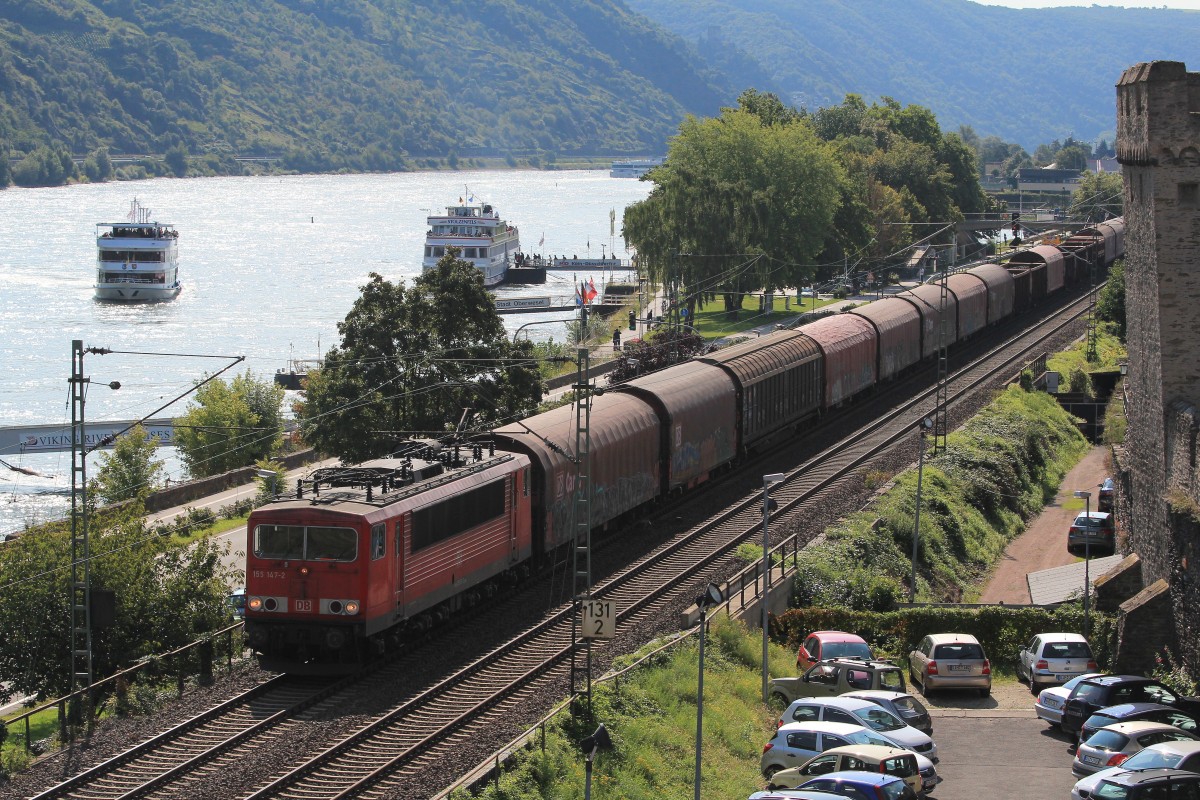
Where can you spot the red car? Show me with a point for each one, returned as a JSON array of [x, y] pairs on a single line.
[[824, 645]]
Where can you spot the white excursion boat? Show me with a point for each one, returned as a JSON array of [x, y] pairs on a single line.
[[481, 236], [137, 261], [634, 168]]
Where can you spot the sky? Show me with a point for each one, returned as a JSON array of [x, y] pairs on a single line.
[[1190, 4]]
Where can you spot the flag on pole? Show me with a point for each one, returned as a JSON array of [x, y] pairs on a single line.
[[589, 290], [578, 298], [612, 222], [542, 241]]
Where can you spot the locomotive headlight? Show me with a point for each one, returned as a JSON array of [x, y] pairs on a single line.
[[351, 606], [254, 603]]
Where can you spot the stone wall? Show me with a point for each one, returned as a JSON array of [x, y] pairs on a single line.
[[1158, 145]]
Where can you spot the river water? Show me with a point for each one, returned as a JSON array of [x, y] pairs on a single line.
[[269, 266]]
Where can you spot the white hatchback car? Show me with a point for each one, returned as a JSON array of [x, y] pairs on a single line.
[[797, 742], [1050, 702], [855, 711], [1113, 745], [1165, 755], [1054, 658]]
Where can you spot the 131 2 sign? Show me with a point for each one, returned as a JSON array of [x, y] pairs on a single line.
[[599, 619]]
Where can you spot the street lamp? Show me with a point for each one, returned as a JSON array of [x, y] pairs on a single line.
[[600, 740], [1087, 557], [270, 476], [768, 482], [924, 427], [712, 596]]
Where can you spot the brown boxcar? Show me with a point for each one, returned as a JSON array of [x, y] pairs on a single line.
[[1022, 288], [626, 453], [1114, 239], [972, 296], [898, 328], [850, 351], [697, 405], [779, 382], [927, 300], [1000, 290], [1046, 262], [1083, 252]]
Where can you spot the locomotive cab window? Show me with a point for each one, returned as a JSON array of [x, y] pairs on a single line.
[[300, 543], [378, 542]]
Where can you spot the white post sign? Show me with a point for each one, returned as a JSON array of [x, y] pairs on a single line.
[[599, 619]]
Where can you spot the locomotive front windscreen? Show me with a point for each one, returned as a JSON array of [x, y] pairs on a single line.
[[305, 543]]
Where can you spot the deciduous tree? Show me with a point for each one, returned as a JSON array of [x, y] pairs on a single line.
[[130, 470], [230, 425], [412, 359]]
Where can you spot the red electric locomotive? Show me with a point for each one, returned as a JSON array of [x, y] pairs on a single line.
[[360, 555]]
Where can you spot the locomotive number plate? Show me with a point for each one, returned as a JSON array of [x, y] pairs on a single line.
[[599, 619], [269, 573]]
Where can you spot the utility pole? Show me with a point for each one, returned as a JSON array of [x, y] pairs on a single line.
[[940, 421], [81, 606], [581, 648]]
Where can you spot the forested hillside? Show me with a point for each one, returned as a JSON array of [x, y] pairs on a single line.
[[1027, 75], [362, 84]]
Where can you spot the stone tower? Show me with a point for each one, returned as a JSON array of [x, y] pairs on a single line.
[[1158, 144]]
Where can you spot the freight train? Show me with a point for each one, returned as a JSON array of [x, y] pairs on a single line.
[[358, 557]]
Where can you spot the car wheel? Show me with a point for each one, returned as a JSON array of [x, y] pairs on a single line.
[[777, 698], [1033, 690], [770, 771]]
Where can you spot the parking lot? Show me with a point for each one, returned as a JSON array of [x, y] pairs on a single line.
[[998, 744]]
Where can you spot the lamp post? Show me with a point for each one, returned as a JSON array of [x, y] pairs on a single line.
[[768, 482], [270, 476], [924, 427], [711, 597], [1087, 558]]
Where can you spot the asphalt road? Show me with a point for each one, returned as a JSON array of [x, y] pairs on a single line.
[[1000, 752]]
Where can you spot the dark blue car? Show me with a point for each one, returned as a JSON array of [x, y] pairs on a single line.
[[862, 786]]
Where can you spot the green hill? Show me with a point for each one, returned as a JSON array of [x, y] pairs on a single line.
[[366, 84]]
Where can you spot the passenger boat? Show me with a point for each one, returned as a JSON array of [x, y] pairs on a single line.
[[481, 236], [633, 168], [137, 261]]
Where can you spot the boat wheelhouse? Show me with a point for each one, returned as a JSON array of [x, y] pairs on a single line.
[[482, 238], [137, 261]]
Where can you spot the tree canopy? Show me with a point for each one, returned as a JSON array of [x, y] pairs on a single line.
[[1100, 196], [167, 595], [230, 425], [411, 359], [130, 470]]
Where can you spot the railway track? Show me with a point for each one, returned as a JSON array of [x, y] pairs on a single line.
[[381, 757], [376, 761]]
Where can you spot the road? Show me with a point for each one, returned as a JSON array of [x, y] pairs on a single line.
[[1044, 543]]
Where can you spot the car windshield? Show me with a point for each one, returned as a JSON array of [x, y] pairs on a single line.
[[1089, 522], [895, 790], [1152, 759], [959, 650], [1107, 740], [1107, 790], [866, 737], [879, 719], [909, 704], [1099, 720], [846, 650], [1067, 650]]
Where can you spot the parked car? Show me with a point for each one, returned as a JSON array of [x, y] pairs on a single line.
[[826, 645], [1183, 755], [831, 678], [863, 786], [854, 711], [793, 794], [950, 661], [1092, 534], [1107, 492], [1134, 712], [1111, 745], [903, 705], [1050, 702], [1149, 784], [1054, 658], [917, 771], [797, 742], [1093, 694], [237, 603]]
